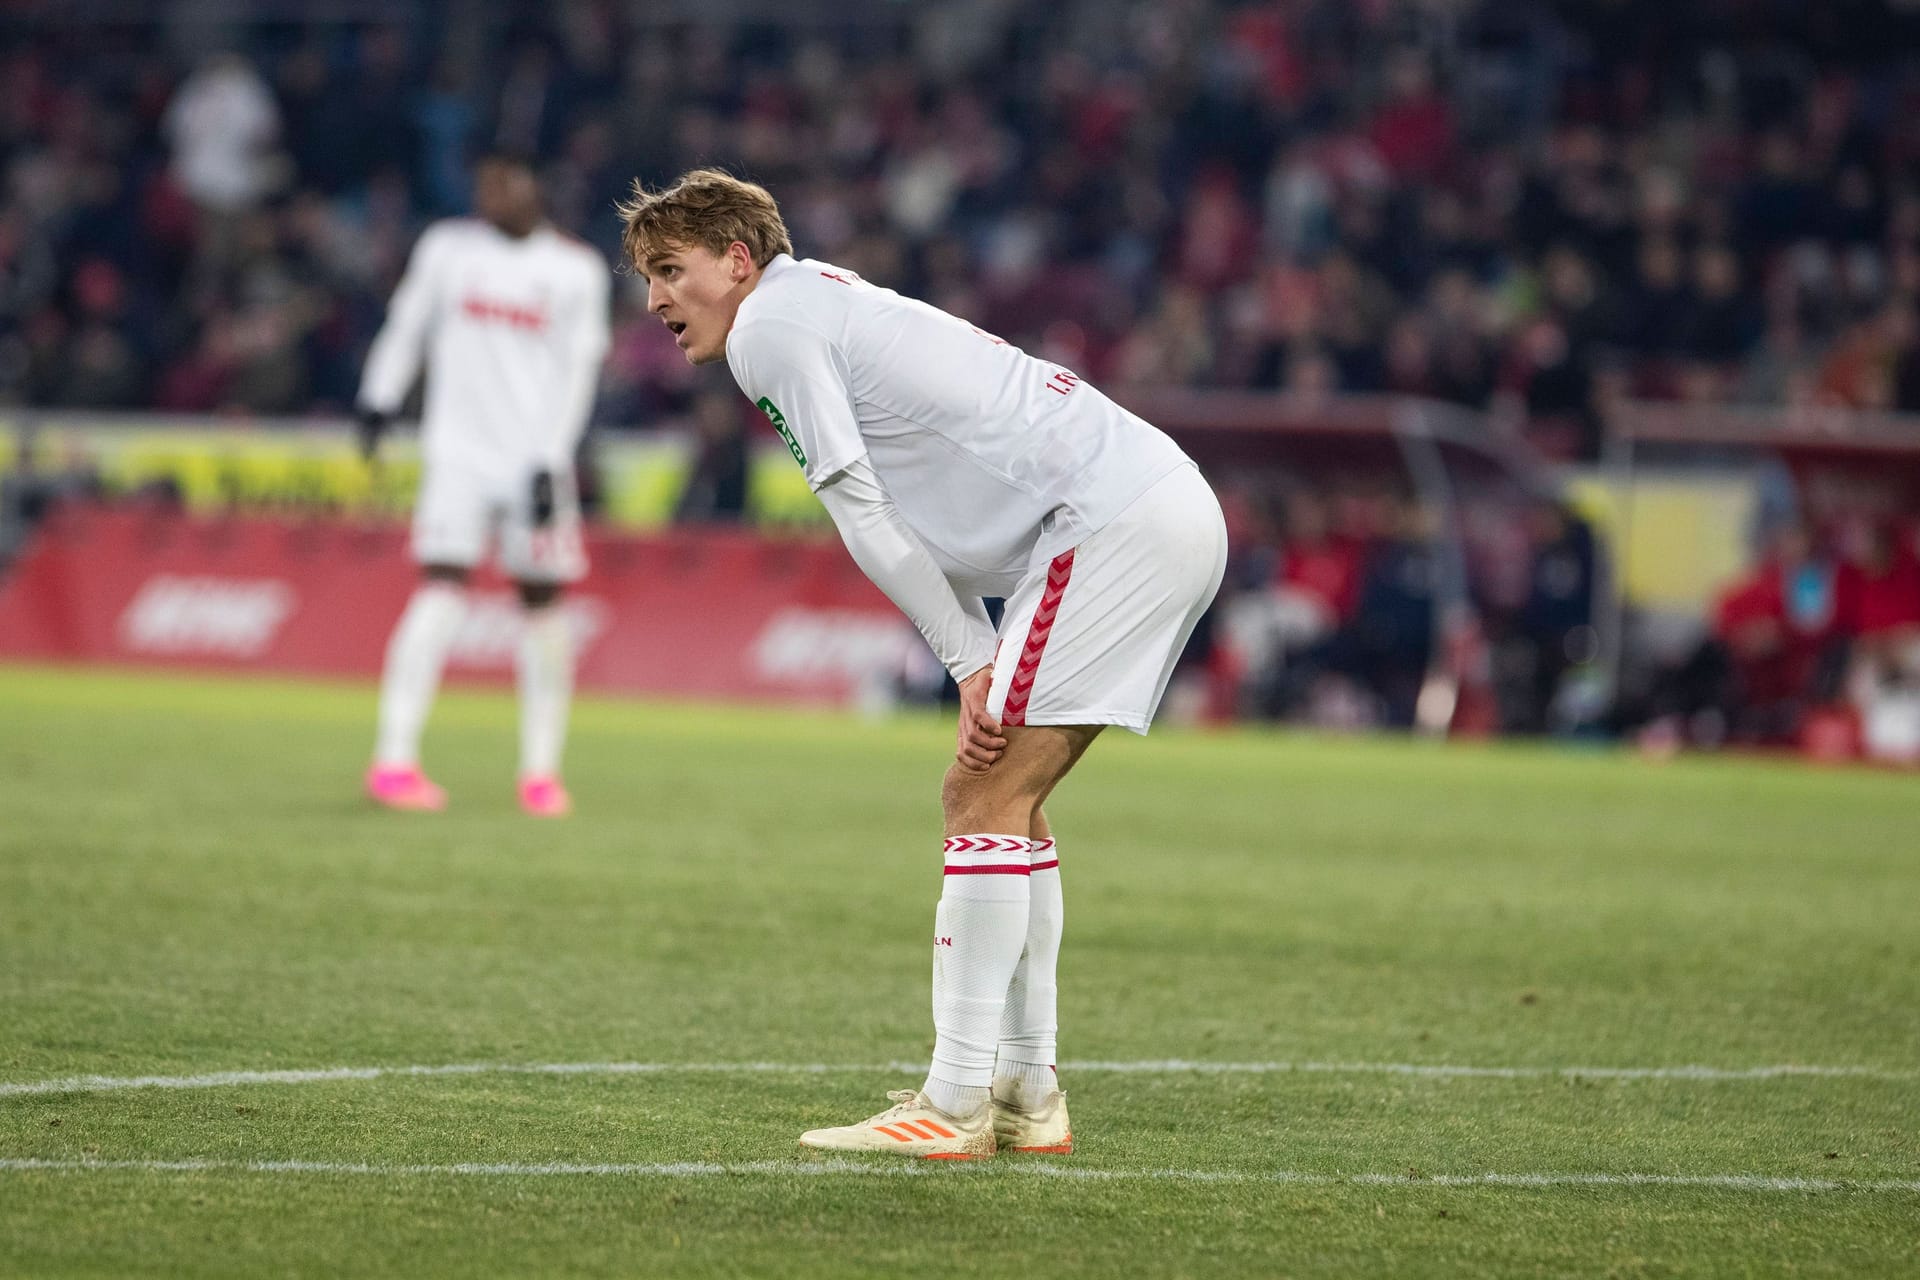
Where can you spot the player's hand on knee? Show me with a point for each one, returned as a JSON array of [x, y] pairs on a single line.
[[981, 742]]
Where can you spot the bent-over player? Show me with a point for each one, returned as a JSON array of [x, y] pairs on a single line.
[[955, 467], [510, 317]]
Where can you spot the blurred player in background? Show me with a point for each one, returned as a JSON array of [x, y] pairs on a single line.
[[509, 316], [955, 467]]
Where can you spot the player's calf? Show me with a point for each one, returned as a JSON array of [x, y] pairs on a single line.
[[545, 666]]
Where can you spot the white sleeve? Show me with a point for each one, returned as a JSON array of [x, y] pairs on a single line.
[[393, 362], [586, 348], [888, 551], [799, 380]]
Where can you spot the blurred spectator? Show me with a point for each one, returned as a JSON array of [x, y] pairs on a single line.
[[222, 123], [1771, 626], [1550, 384], [1388, 646], [1320, 570], [717, 482], [1772, 652], [1555, 623], [1312, 588], [1879, 583], [1342, 632], [1879, 607], [1723, 323]]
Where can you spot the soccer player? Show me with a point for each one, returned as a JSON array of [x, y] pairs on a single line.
[[955, 467], [510, 318]]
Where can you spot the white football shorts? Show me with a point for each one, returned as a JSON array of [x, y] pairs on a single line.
[[462, 514], [1091, 636]]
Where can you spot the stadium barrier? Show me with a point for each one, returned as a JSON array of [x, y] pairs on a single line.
[[290, 466], [695, 612]]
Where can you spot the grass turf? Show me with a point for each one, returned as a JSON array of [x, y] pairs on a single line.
[[189, 883]]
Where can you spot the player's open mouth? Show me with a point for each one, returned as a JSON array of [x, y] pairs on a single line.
[[677, 326]]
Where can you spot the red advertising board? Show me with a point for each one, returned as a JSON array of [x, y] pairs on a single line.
[[724, 613]]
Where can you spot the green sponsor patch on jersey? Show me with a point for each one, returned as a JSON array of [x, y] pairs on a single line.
[[779, 421]]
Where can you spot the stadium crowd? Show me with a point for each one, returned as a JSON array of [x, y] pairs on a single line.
[[1816, 643], [1342, 588], [1510, 204]]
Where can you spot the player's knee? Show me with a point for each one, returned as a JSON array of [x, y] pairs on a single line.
[[968, 801], [986, 800], [538, 595]]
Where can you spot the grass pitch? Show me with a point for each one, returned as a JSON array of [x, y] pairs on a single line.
[[189, 884]]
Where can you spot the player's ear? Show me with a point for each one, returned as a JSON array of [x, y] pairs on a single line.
[[739, 261]]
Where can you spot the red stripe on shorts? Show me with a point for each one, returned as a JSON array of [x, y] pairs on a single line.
[[1021, 687]]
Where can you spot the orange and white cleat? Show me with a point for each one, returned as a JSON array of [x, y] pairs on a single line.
[[404, 787], [1040, 1130], [542, 796], [911, 1127]]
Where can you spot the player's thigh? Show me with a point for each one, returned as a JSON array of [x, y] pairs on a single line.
[[1039, 755], [452, 519], [550, 552], [1091, 638], [1085, 734]]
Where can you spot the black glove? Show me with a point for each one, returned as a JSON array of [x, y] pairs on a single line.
[[369, 427], [542, 499]]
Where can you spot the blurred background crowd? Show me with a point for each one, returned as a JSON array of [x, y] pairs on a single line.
[[1532, 209], [1511, 204]]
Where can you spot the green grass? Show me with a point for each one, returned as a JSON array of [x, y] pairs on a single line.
[[189, 883]]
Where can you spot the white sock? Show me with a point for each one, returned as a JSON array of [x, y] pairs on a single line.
[[416, 654], [1030, 1024], [546, 689], [979, 932]]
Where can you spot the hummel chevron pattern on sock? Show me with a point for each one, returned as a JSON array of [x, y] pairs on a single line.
[[981, 844]]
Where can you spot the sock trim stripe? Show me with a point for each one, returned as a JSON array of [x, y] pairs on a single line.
[[992, 869], [1043, 846], [1047, 866]]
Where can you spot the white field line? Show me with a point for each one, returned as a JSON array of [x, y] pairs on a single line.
[[917, 1168], [1163, 1067]]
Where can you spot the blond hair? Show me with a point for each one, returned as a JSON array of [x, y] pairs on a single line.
[[706, 207]]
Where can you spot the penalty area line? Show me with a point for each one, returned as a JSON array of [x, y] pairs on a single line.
[[1739, 1182], [1159, 1066]]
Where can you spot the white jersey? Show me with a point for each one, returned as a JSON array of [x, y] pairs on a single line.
[[989, 454], [513, 332]]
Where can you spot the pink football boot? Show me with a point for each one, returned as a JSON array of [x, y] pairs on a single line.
[[542, 796], [404, 787]]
